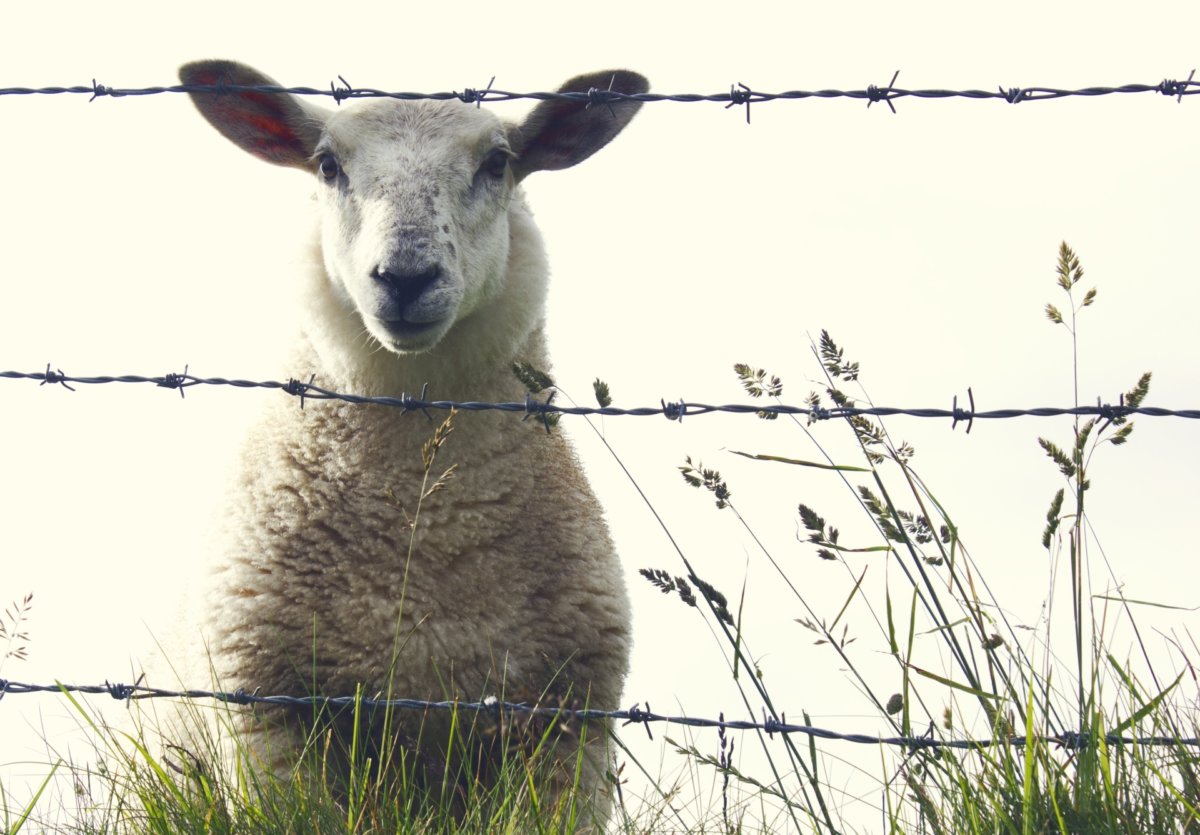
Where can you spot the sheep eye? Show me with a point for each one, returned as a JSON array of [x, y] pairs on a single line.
[[328, 167], [495, 163]]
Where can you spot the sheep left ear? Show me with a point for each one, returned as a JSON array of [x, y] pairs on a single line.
[[559, 134], [275, 127]]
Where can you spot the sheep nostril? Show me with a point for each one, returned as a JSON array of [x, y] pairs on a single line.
[[406, 287]]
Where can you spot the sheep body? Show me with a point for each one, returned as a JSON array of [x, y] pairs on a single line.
[[429, 270]]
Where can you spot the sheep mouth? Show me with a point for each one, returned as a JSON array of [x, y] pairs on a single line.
[[404, 328], [405, 336]]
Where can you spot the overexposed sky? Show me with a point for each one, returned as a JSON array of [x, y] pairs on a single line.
[[134, 239]]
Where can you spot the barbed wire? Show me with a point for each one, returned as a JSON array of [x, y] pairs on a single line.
[[635, 715], [739, 94], [532, 407]]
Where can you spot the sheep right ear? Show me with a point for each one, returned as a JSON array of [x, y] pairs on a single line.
[[275, 127], [559, 134]]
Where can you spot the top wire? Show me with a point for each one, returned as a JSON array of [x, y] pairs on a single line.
[[738, 94]]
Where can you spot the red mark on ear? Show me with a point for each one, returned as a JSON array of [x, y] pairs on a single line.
[[263, 116]]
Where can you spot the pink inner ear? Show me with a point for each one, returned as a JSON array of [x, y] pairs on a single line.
[[260, 113], [263, 114], [283, 148]]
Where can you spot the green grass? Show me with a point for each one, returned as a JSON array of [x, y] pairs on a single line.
[[213, 784], [956, 668], [973, 674]]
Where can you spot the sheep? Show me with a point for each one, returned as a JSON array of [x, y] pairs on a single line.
[[427, 269]]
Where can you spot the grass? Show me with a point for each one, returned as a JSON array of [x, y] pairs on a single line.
[[204, 789], [1071, 734], [974, 674]]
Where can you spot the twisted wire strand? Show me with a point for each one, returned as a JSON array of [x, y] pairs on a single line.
[[672, 410], [738, 94], [634, 715]]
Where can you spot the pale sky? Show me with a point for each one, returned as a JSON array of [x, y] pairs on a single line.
[[136, 240]]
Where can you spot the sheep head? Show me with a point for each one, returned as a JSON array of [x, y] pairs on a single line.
[[415, 195]]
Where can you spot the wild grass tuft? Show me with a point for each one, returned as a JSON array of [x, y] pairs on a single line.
[[139, 786], [14, 640], [1092, 744]]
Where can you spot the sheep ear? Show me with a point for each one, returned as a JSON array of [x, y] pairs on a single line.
[[559, 134], [276, 127]]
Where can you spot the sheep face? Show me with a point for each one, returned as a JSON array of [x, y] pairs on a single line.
[[414, 215], [415, 196]]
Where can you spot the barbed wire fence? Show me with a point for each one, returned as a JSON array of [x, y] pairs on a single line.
[[532, 407], [635, 715], [542, 409], [739, 95]]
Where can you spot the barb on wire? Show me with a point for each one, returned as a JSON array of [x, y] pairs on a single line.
[[339, 93], [605, 97], [885, 94], [635, 715], [738, 94], [470, 95], [544, 409], [53, 377], [969, 414]]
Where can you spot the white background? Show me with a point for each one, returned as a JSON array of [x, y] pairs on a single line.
[[133, 239]]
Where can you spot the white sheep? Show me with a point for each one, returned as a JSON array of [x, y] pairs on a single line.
[[429, 270]]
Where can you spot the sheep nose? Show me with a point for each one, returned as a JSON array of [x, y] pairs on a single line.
[[406, 286]]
